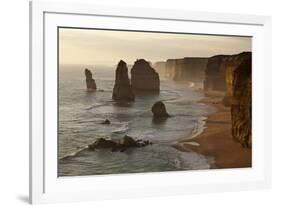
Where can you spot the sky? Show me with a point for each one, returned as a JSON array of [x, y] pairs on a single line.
[[103, 47]]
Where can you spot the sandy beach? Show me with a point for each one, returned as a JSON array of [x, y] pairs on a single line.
[[216, 140]]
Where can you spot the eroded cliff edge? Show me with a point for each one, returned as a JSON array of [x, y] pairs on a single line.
[[189, 68], [215, 73], [232, 74], [241, 102]]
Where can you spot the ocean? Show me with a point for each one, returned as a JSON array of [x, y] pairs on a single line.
[[81, 114]]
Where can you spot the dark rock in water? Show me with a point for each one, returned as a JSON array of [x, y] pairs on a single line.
[[128, 142], [122, 90], [159, 110], [106, 122], [144, 77], [90, 82], [102, 143]]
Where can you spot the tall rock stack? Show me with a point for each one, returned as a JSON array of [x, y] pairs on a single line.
[[241, 103], [122, 90], [144, 77], [90, 82]]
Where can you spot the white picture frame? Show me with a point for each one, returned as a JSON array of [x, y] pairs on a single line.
[[46, 187]]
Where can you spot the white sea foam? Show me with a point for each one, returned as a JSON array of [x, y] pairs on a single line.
[[122, 129]]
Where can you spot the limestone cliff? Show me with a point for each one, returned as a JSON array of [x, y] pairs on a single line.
[[231, 64], [215, 73], [189, 68], [144, 77], [122, 90], [241, 102], [90, 82], [233, 75]]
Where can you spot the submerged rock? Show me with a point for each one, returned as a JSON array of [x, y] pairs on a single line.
[[159, 110], [144, 77], [127, 142], [102, 143], [106, 122], [90, 82], [122, 90]]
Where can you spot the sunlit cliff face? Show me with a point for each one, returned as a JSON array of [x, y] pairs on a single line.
[[101, 47]]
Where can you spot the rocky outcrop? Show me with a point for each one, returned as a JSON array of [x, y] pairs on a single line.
[[90, 82], [159, 110], [127, 142], [241, 102], [102, 143], [106, 122], [144, 77], [189, 68], [122, 90]]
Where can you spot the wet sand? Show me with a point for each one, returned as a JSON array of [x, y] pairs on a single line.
[[216, 140]]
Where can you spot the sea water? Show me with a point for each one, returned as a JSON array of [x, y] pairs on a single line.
[[81, 114]]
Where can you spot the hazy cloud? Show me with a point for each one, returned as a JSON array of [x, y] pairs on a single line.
[[81, 46]]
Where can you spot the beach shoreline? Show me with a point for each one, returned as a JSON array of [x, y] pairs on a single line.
[[216, 142]]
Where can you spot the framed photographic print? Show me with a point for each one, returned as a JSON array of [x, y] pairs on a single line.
[[130, 102]]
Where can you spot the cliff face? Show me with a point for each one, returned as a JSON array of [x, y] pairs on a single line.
[[241, 102], [233, 75], [90, 82], [122, 90], [144, 77], [215, 73], [231, 64], [190, 68], [160, 67]]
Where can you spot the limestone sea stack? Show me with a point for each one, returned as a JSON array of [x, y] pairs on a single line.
[[241, 102], [144, 77], [90, 82], [122, 90], [159, 110]]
